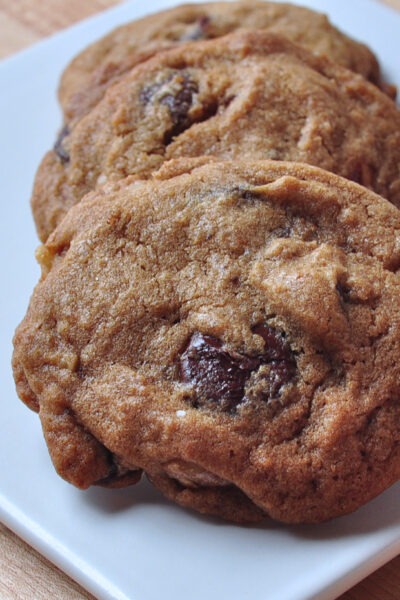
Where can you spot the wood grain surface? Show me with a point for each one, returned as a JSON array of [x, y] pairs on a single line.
[[25, 574]]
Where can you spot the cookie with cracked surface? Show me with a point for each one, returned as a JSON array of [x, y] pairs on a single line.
[[247, 95], [232, 329], [87, 77]]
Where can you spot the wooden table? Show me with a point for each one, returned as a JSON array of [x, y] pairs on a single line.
[[24, 574]]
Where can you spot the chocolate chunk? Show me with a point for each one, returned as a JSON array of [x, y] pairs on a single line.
[[199, 31], [147, 93], [59, 147], [217, 376], [223, 378], [178, 97], [179, 105], [276, 347], [119, 476]]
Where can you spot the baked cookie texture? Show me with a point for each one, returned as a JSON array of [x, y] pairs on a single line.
[[232, 329], [85, 80], [248, 95]]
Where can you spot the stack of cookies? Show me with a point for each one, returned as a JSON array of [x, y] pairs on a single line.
[[219, 306]]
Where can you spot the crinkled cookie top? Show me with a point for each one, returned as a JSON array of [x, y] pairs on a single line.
[[101, 64], [231, 329], [249, 95]]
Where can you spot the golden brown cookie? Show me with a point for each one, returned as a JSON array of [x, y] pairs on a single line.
[[87, 77], [233, 329], [247, 95]]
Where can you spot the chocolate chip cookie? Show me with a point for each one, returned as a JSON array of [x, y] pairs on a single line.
[[245, 95], [87, 77], [232, 329]]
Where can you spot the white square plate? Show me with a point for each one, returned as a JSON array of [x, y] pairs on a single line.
[[132, 544]]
